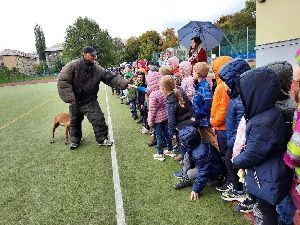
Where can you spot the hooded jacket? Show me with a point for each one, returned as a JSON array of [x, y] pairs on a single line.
[[220, 98], [267, 177], [157, 100], [78, 82], [228, 74], [202, 155], [179, 117]]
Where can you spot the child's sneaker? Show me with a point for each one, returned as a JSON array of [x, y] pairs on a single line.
[[234, 195], [177, 174], [169, 153], [144, 130], [159, 157], [182, 184], [225, 187], [245, 206]]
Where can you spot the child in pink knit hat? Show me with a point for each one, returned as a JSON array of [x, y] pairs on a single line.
[[174, 63], [187, 82]]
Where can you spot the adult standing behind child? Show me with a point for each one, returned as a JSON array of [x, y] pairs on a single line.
[[196, 52]]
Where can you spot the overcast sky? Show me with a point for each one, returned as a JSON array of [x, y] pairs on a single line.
[[122, 18]]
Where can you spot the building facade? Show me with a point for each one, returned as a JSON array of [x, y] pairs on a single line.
[[277, 30], [24, 62]]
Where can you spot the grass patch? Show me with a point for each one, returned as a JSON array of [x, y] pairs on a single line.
[[42, 183]]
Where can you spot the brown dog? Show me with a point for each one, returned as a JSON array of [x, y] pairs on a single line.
[[62, 119]]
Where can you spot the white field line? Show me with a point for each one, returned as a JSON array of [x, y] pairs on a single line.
[[117, 186], [23, 115]]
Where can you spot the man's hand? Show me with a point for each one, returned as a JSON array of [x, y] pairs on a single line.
[[194, 196]]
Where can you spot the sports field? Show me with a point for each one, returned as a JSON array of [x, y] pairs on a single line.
[[43, 183]]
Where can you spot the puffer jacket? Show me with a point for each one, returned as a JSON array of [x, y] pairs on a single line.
[[202, 102], [202, 155], [228, 74], [220, 99], [187, 85], [179, 117], [267, 176], [157, 100], [78, 81]]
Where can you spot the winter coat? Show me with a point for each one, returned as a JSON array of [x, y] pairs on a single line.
[[202, 155], [78, 82], [187, 84], [220, 99], [157, 100], [202, 102], [179, 117], [267, 176], [228, 74], [157, 108]]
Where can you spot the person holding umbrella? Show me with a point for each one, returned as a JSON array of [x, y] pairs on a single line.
[[196, 53]]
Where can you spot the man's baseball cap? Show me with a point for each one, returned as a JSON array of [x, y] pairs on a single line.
[[89, 49]]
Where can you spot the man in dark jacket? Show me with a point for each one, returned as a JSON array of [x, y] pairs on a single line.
[[78, 85]]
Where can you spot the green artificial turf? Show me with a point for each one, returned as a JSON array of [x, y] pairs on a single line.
[[42, 183]]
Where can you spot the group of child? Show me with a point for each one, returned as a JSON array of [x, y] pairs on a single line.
[[240, 137]]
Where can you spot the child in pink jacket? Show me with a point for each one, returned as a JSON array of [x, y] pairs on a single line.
[[158, 116]]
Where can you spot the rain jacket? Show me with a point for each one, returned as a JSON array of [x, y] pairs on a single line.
[[267, 176], [202, 155], [235, 111], [220, 99]]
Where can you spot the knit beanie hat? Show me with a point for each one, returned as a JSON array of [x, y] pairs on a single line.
[[284, 71], [174, 62], [297, 57], [186, 67]]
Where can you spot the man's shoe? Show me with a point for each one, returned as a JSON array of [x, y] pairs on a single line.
[[73, 146], [182, 184], [106, 142]]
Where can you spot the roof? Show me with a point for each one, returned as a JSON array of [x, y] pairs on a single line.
[[55, 48], [10, 52]]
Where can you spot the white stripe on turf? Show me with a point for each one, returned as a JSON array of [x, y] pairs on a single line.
[[117, 186]]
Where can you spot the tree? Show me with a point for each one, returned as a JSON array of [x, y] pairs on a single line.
[[132, 49], [118, 50], [169, 38], [86, 32], [149, 43], [40, 44]]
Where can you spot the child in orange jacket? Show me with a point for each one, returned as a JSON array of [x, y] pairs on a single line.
[[219, 105]]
